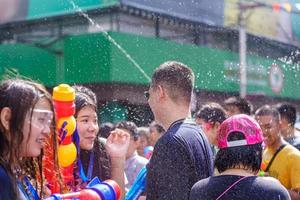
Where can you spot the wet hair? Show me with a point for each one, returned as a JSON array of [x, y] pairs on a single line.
[[20, 96], [84, 97], [130, 127], [244, 106], [212, 113], [177, 78], [287, 111], [105, 129], [248, 157], [158, 127], [268, 110]]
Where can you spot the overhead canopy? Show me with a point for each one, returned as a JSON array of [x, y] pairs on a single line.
[[92, 58]]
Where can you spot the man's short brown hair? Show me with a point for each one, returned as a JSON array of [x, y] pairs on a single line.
[[177, 78]]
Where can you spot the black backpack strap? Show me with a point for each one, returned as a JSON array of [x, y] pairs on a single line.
[[274, 156]]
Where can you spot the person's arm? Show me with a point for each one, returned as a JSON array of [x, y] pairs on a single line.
[[116, 146]]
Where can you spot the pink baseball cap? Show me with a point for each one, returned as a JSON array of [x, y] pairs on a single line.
[[239, 123]]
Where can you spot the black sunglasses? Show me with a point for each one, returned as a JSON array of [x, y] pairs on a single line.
[[146, 94]]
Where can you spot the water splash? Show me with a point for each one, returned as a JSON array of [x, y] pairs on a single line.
[[98, 27], [289, 59]]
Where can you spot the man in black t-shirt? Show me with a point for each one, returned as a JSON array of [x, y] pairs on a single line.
[[182, 156], [238, 161]]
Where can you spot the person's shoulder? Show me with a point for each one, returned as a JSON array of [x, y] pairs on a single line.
[[270, 185], [291, 151], [189, 126], [266, 180], [202, 183]]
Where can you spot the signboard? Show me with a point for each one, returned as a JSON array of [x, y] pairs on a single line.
[[19, 10], [278, 25], [204, 11]]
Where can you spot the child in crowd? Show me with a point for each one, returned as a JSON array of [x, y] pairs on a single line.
[[134, 162]]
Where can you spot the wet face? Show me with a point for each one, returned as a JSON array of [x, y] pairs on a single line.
[[270, 128], [87, 125], [36, 129]]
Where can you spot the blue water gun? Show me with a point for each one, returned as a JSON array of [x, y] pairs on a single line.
[[138, 186], [95, 190]]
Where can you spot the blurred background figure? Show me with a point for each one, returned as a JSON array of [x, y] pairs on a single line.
[[236, 105], [144, 135], [105, 129], [210, 117], [288, 115], [156, 131], [134, 163], [148, 150], [280, 159]]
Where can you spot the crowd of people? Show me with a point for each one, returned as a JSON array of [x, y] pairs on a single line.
[[223, 151]]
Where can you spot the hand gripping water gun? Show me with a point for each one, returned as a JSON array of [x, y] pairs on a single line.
[[63, 101], [138, 186], [95, 190]]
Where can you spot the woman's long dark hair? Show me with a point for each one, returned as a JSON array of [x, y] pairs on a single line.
[[20, 96]]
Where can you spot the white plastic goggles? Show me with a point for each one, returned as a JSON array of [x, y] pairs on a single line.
[[41, 118]]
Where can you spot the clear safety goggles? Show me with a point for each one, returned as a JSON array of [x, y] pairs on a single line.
[[41, 118]]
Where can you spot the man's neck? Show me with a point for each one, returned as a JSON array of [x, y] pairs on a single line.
[[238, 172], [276, 145], [175, 114]]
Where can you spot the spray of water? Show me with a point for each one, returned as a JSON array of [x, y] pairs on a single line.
[[289, 59], [93, 23]]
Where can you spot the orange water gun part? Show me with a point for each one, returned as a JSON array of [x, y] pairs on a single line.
[[64, 106]]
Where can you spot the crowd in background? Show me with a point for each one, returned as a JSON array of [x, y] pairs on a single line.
[[226, 151]]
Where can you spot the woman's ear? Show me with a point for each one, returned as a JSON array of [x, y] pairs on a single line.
[[5, 116]]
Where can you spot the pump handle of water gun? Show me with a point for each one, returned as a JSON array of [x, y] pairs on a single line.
[[138, 186]]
